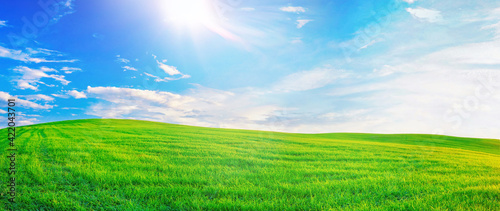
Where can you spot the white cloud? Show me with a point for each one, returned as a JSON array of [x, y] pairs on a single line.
[[293, 9], [411, 103], [69, 70], [495, 27], [4, 96], [25, 119], [43, 51], [308, 80], [423, 14], [38, 97], [69, 4], [125, 68], [127, 100], [404, 94], [260, 113], [410, 1], [468, 54], [384, 71], [451, 90], [60, 96], [28, 57], [3, 23], [425, 102], [167, 70], [30, 78], [201, 106], [301, 23], [76, 94], [72, 108], [297, 40], [443, 79], [372, 42], [70, 93], [247, 9], [115, 94], [170, 70], [64, 8], [348, 115], [413, 95], [122, 60], [165, 79]]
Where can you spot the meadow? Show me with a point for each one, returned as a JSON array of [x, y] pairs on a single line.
[[106, 164]]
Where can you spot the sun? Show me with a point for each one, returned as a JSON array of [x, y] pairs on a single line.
[[196, 16], [190, 13]]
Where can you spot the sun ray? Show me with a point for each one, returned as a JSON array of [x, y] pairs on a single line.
[[197, 14]]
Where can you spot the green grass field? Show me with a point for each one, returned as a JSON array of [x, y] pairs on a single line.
[[140, 165]]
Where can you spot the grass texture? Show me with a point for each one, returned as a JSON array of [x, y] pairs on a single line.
[[105, 164]]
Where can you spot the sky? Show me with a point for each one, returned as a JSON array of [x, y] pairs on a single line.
[[388, 66]]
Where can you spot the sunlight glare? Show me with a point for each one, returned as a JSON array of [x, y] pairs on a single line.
[[190, 13]]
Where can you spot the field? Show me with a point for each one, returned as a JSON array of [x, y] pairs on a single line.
[[139, 165]]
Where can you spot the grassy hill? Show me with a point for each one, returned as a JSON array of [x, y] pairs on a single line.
[[141, 165]]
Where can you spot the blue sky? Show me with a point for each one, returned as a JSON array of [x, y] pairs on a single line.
[[391, 66]]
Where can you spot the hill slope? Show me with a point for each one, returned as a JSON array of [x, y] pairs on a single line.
[[140, 165]]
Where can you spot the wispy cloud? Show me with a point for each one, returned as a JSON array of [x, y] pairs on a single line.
[[410, 1], [447, 86], [168, 70], [76, 94], [308, 80], [29, 57], [121, 59], [301, 23], [125, 63], [200, 106], [398, 80], [43, 51], [64, 96], [38, 97], [4, 96], [26, 119], [165, 79], [428, 15], [293, 9], [125, 68], [69, 70], [3, 23], [30, 78], [297, 40], [23, 118], [247, 9], [372, 42], [65, 8]]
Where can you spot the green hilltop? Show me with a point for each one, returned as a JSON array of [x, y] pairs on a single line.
[[109, 164]]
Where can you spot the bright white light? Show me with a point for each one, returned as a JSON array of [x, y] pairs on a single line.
[[189, 13], [195, 15]]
